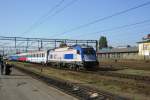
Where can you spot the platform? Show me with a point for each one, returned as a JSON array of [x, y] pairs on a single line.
[[19, 86]]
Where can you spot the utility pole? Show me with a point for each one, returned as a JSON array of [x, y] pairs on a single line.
[[15, 44], [3, 51], [55, 43], [96, 45], [41, 44], [27, 44]]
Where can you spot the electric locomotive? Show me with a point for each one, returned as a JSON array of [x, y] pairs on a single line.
[[77, 56]]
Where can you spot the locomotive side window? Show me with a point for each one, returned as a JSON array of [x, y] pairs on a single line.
[[37, 55], [78, 52]]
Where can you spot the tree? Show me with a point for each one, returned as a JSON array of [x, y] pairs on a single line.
[[128, 46], [62, 44], [103, 42]]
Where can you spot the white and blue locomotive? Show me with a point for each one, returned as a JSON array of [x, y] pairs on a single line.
[[77, 56]]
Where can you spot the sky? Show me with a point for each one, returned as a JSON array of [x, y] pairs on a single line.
[[18, 16]]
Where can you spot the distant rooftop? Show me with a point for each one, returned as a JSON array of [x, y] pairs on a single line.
[[82, 46], [146, 39]]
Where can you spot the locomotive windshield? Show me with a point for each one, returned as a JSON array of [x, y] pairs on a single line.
[[88, 51]]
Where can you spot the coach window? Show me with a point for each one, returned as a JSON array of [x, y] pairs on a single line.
[[51, 56]]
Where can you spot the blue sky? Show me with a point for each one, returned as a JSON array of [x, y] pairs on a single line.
[[16, 16]]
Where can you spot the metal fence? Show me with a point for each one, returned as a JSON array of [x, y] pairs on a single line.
[[128, 56], [11, 45]]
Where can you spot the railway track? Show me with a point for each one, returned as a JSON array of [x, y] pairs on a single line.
[[82, 92], [141, 82], [145, 79], [127, 76], [137, 84], [108, 73]]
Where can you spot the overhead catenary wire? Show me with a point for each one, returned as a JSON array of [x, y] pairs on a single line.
[[55, 13], [58, 11], [104, 18], [116, 28], [35, 24]]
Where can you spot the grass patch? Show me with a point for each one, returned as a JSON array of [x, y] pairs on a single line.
[[112, 84], [134, 72]]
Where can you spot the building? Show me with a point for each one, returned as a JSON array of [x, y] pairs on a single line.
[[142, 52], [118, 53], [144, 46]]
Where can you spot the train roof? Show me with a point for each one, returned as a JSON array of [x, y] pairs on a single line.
[[62, 49], [30, 52], [82, 46], [71, 47]]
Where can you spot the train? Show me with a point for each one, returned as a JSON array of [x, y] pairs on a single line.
[[72, 57]]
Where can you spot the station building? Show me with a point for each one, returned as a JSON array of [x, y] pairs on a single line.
[[144, 46], [118, 53], [140, 52]]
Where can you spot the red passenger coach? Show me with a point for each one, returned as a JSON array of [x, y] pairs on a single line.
[[22, 59]]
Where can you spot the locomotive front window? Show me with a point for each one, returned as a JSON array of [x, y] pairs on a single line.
[[88, 51]]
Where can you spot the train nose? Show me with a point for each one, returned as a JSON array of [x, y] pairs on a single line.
[[89, 58]]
